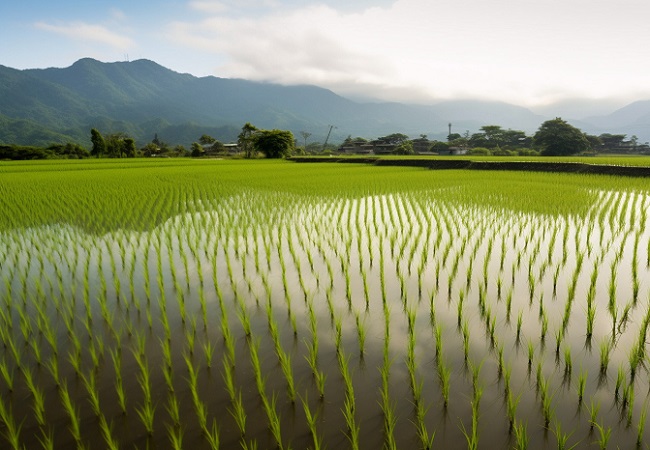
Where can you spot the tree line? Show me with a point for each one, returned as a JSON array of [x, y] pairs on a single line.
[[554, 137]]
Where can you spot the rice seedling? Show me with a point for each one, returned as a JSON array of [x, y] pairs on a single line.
[[641, 425], [71, 411], [605, 348], [11, 430], [312, 420], [603, 436]]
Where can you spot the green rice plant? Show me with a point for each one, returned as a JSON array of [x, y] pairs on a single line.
[[228, 379], [208, 351], [603, 435], [352, 428], [562, 437], [444, 374], [146, 414], [287, 370], [582, 382], [239, 414], [512, 403], [641, 425], [93, 393], [312, 419], [438, 336], [521, 436], [567, 360], [46, 439], [274, 419], [466, 340], [71, 411], [175, 435], [7, 375], [11, 430], [472, 436], [426, 439], [605, 348], [173, 409], [361, 333], [593, 413]]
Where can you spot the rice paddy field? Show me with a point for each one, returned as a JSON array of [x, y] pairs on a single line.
[[267, 304]]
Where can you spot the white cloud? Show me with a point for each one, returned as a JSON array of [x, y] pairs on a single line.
[[515, 50], [81, 31]]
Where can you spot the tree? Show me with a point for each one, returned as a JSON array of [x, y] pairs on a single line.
[[245, 140], [394, 139], [99, 144], [274, 143], [405, 148], [206, 140], [557, 137], [129, 147], [197, 149]]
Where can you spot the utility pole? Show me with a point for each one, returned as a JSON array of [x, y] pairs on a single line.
[[328, 136]]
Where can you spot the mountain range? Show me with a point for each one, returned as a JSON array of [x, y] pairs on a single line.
[[143, 99]]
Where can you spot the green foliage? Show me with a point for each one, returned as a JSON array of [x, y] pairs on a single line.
[[404, 148], [556, 137], [479, 151], [246, 139], [440, 147], [274, 143], [99, 144]]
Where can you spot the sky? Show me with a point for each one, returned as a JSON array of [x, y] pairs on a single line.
[[527, 52]]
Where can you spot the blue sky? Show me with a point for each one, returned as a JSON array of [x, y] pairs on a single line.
[[530, 52]]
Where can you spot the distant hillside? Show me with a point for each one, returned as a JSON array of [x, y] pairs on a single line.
[[142, 99], [633, 119]]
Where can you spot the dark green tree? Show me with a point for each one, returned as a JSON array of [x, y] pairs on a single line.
[[206, 140], [274, 143], [99, 144], [246, 139], [404, 148], [395, 138], [557, 137], [197, 150], [128, 147]]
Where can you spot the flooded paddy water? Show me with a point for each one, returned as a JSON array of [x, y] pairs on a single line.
[[275, 319]]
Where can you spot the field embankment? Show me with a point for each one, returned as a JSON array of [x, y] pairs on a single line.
[[527, 166]]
